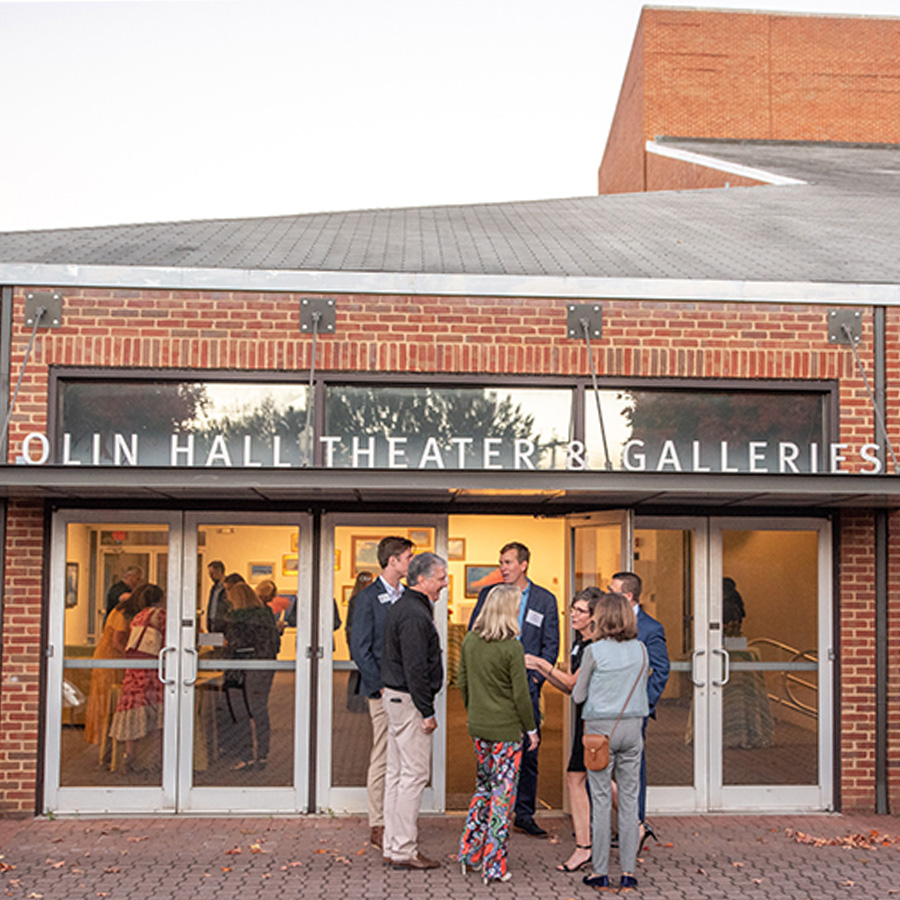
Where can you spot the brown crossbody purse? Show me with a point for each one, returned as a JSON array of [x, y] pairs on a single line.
[[596, 746]]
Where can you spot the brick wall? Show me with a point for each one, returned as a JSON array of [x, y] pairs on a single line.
[[259, 331], [753, 76]]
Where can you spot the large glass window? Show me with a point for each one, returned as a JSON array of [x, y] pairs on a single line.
[[707, 431], [420, 427], [182, 423]]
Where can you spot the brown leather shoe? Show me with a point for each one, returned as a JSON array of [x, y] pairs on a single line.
[[416, 862], [376, 836]]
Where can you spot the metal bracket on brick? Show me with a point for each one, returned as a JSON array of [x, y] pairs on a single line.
[[50, 302], [324, 308], [838, 319], [577, 314]]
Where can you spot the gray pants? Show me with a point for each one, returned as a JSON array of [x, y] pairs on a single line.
[[625, 759]]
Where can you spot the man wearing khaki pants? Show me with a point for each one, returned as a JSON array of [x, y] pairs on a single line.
[[413, 673], [366, 633]]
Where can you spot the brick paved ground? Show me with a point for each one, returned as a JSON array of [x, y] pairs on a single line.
[[698, 857]]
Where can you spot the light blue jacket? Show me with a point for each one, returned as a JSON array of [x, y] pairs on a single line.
[[609, 669]]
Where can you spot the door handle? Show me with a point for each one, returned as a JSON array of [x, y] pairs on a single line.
[[160, 665], [726, 659], [694, 657], [189, 682]]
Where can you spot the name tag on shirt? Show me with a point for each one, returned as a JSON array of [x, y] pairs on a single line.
[[533, 617], [384, 598]]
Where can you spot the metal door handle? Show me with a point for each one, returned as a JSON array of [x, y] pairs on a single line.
[[694, 657], [188, 682], [160, 665], [726, 658]]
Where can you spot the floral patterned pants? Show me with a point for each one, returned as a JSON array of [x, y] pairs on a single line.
[[486, 833]]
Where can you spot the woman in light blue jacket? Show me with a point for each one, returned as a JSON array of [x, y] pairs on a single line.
[[612, 683]]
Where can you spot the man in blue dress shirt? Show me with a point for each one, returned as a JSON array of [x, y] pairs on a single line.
[[539, 634]]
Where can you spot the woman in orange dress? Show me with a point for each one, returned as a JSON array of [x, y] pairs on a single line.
[[111, 646]]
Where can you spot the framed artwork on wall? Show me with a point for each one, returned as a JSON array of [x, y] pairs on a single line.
[[71, 584], [456, 548], [290, 564], [258, 571], [478, 577], [364, 550]]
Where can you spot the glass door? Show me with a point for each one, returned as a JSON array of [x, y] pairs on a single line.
[[244, 722], [745, 720], [344, 732], [769, 664], [149, 708], [113, 665]]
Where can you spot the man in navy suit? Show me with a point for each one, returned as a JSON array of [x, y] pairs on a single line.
[[539, 634], [653, 636], [366, 640]]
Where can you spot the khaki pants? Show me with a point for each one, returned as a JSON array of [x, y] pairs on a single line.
[[408, 766], [377, 763]]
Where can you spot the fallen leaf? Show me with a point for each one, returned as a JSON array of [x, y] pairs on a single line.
[[226, 868], [701, 871], [34, 896], [361, 852], [55, 865], [255, 848], [738, 865], [291, 865], [320, 850], [266, 875], [135, 840], [234, 851], [111, 870], [6, 867], [77, 871], [848, 883]]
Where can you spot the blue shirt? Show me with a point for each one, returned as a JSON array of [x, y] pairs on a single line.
[[522, 604]]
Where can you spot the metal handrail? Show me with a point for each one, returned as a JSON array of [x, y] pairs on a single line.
[[790, 699]]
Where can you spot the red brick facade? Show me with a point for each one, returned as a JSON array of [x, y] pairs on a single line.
[[471, 335], [751, 76]]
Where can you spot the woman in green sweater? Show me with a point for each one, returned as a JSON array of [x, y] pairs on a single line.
[[494, 687]]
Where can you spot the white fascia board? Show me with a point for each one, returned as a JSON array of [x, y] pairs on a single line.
[[449, 285], [720, 165]]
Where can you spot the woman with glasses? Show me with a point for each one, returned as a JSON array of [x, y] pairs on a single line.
[[581, 612]]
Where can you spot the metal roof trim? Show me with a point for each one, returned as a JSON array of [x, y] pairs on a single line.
[[446, 284]]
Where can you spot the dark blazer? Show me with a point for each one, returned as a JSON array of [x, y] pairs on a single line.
[[540, 628], [653, 636], [365, 634], [223, 607], [411, 656]]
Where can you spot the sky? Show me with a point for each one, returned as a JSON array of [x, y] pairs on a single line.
[[121, 112]]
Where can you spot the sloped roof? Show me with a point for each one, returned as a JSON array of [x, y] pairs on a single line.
[[842, 226]]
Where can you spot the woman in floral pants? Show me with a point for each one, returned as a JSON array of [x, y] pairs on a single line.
[[494, 686]]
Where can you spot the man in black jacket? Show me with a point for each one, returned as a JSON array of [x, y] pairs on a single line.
[[413, 673]]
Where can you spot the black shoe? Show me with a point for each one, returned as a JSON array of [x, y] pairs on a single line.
[[529, 827], [648, 835], [627, 883]]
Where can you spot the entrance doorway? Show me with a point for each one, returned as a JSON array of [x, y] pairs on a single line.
[[744, 724], [174, 714], [745, 721]]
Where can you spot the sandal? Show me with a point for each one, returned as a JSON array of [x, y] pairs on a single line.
[[565, 867]]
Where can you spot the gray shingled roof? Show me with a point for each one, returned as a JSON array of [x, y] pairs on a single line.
[[843, 226]]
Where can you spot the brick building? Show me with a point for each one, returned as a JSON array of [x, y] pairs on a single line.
[[675, 381]]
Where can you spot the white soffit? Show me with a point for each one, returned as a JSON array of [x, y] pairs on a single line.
[[720, 165]]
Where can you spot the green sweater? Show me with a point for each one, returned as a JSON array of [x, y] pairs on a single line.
[[494, 687]]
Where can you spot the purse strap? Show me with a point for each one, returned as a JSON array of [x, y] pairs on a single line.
[[628, 698]]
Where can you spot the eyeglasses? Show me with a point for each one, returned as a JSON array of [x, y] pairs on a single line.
[[580, 609]]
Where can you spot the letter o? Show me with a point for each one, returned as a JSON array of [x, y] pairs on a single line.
[[26, 448]]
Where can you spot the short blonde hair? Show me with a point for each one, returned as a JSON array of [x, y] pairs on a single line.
[[499, 616], [614, 618]]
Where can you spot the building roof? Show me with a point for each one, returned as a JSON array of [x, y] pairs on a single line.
[[840, 226]]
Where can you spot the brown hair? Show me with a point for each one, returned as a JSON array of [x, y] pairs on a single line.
[[142, 596], [614, 618], [242, 596], [363, 580], [523, 554], [392, 546], [267, 590]]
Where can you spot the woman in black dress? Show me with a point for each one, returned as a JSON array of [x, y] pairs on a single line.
[[582, 612]]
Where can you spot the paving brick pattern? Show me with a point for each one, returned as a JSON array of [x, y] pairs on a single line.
[[697, 857]]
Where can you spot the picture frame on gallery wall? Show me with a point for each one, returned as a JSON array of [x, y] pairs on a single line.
[[364, 551], [423, 539], [259, 571], [71, 584], [290, 564], [481, 576], [295, 541], [456, 548]]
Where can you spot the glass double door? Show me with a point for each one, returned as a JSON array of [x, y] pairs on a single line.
[[745, 720], [160, 698]]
